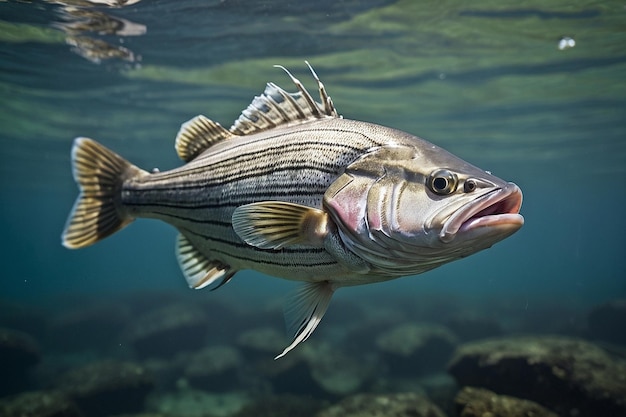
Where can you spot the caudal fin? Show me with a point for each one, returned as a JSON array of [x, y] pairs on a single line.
[[97, 212]]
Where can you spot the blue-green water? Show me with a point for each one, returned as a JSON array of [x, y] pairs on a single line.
[[485, 80]]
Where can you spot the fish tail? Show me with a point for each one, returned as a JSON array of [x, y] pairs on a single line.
[[98, 211]]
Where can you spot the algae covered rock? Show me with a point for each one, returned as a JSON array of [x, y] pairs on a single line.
[[39, 404], [142, 415], [569, 376], [168, 330], [291, 374], [282, 406], [262, 343], [478, 402], [335, 372], [387, 405], [215, 368], [416, 348], [107, 387], [18, 353], [187, 402], [316, 369]]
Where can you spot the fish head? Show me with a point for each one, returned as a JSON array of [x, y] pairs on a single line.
[[407, 209]]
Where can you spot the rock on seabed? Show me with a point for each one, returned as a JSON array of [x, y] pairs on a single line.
[[569, 376], [107, 387], [39, 404], [18, 353], [408, 404], [214, 368], [168, 330], [416, 348], [479, 402]]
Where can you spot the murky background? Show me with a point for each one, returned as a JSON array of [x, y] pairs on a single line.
[[533, 92]]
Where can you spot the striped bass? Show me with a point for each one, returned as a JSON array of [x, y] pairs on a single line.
[[296, 191]]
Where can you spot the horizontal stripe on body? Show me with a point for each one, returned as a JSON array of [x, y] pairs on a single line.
[[200, 197]]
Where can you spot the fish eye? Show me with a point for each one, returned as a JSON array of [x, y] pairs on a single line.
[[469, 185], [443, 182]]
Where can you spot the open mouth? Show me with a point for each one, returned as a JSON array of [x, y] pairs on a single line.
[[497, 208]]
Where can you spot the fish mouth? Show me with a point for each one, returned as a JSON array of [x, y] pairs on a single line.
[[498, 209]]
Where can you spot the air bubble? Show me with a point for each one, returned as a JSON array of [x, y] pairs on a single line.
[[566, 42]]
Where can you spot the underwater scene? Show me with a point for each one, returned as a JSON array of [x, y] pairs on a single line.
[[532, 92]]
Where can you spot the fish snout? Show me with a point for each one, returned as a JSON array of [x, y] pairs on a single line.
[[493, 215]]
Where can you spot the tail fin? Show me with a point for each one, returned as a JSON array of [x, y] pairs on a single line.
[[97, 212]]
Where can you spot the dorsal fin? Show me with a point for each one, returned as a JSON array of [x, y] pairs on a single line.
[[276, 107], [197, 135]]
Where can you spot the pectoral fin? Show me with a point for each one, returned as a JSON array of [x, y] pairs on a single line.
[[200, 271], [276, 224], [305, 310]]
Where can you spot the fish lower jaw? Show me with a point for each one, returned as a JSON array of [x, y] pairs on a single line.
[[508, 220], [492, 228], [494, 213]]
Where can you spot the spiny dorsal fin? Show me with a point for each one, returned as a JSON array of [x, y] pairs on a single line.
[[200, 271], [197, 135], [276, 107]]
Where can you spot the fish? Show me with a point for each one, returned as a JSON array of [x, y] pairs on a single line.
[[295, 191]]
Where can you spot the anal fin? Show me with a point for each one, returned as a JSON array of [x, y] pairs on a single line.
[[200, 271], [305, 310]]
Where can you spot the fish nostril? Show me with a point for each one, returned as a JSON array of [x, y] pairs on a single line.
[[469, 186]]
